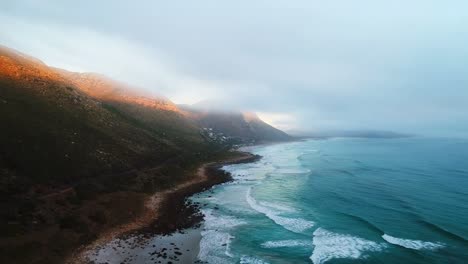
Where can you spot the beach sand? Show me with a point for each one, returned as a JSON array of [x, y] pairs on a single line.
[[179, 247]]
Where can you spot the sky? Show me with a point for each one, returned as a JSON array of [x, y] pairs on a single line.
[[301, 65]]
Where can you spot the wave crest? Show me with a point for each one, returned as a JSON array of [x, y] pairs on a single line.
[[412, 244], [286, 243], [297, 225]]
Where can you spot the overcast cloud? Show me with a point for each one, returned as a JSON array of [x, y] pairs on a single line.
[[310, 65]]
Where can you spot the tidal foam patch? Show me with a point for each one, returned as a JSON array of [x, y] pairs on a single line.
[[216, 239], [329, 245], [213, 221], [214, 247], [251, 260]]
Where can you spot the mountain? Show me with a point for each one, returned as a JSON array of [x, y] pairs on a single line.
[[60, 125], [78, 151], [239, 127]]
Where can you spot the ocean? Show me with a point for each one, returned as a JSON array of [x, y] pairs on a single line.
[[342, 201]]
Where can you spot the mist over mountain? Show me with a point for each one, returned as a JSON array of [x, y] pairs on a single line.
[[323, 65], [244, 127], [152, 131], [349, 133]]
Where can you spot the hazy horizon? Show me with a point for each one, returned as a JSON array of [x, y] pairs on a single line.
[[314, 66]]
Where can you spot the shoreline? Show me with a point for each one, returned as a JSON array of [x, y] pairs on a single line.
[[167, 212]]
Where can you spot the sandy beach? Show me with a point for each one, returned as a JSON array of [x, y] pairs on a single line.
[[166, 232], [179, 247]]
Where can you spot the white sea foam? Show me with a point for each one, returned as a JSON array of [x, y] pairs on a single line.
[[239, 173], [247, 174], [297, 225], [329, 245], [251, 260], [214, 247], [412, 244], [216, 239], [213, 221], [286, 243]]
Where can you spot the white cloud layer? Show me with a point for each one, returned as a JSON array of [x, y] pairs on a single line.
[[360, 64], [84, 50]]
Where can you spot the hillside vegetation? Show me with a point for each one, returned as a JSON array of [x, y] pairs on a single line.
[[72, 146], [79, 153]]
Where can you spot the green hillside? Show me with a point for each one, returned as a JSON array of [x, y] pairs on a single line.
[[63, 150]]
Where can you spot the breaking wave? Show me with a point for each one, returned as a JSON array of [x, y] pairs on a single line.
[[286, 243], [329, 245], [412, 244], [297, 225]]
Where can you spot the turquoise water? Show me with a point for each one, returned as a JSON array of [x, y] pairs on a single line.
[[342, 201]]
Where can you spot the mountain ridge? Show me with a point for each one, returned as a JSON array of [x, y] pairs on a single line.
[[79, 153], [64, 154], [244, 127]]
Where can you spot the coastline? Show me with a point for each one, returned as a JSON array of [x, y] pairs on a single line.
[[167, 212]]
